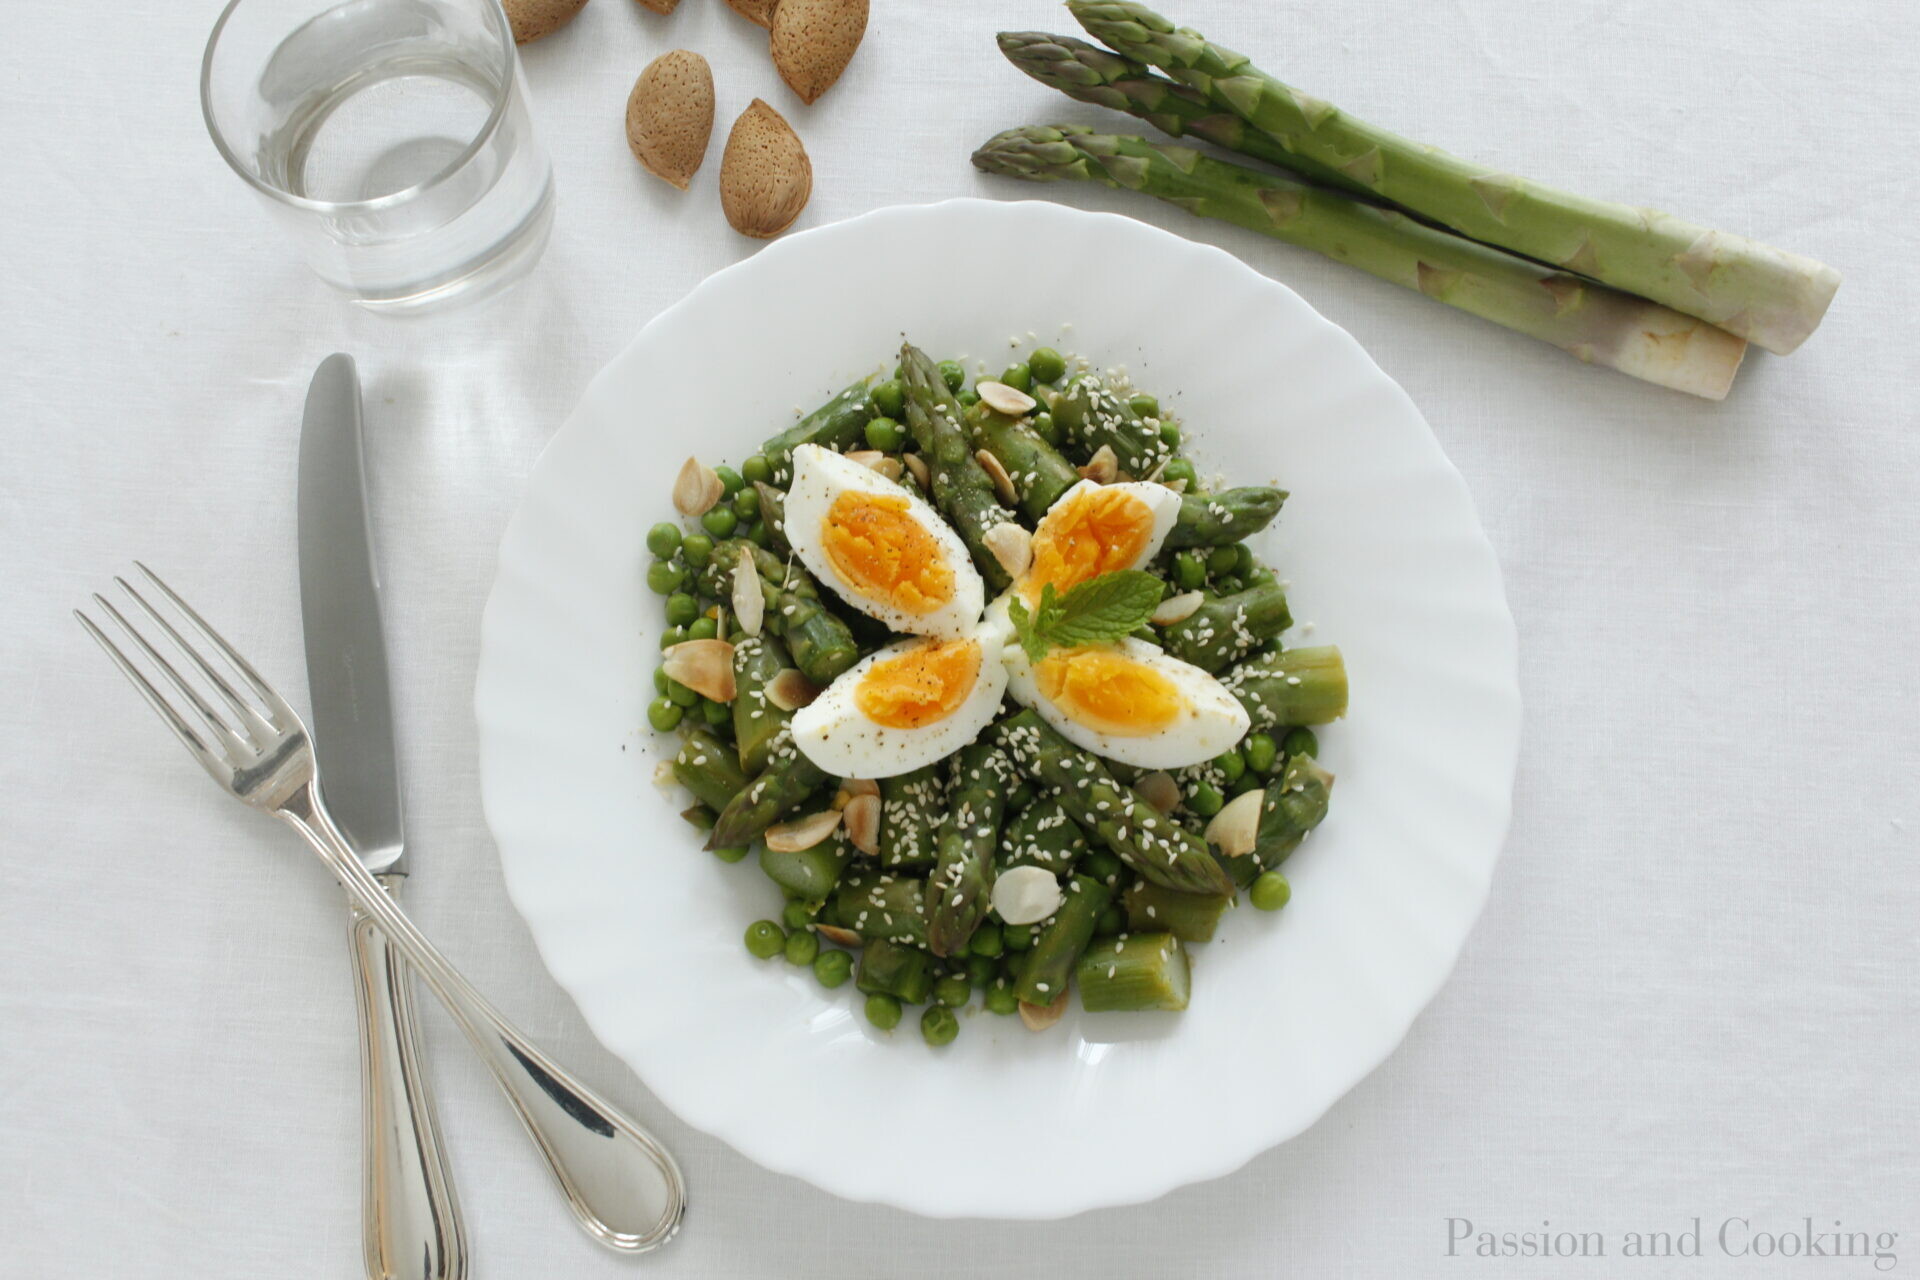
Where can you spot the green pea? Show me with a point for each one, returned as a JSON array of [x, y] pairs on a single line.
[[886, 435], [1017, 937], [832, 968], [1170, 436], [1300, 741], [1180, 469], [802, 948], [663, 715], [759, 535], [765, 939], [1248, 781], [1270, 891], [720, 522], [730, 480], [1260, 751], [1043, 426], [953, 991], [1144, 405], [697, 549], [664, 539], [981, 970], [1205, 799], [1018, 376], [746, 505], [1111, 921], [672, 636], [967, 398], [988, 940], [731, 853], [1260, 577], [1223, 560], [702, 629], [1001, 1000], [661, 680], [716, 713], [1047, 365], [797, 914], [664, 577], [681, 696], [1190, 570], [1101, 865], [681, 609], [1232, 764], [953, 375], [938, 1026], [883, 1011], [1243, 561], [1229, 585], [757, 470], [890, 398]]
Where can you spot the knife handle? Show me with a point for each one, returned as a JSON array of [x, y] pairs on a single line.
[[410, 1220]]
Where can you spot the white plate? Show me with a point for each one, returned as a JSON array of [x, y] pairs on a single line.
[[1385, 556]]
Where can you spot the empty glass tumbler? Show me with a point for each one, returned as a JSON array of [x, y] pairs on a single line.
[[391, 139]]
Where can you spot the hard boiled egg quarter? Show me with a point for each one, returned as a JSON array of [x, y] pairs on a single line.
[[1128, 701], [1098, 528], [904, 706], [879, 547]]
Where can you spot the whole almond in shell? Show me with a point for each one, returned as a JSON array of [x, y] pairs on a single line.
[[670, 116], [813, 40], [765, 176], [532, 19], [758, 12]]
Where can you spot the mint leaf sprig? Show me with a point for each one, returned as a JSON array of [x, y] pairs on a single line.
[[1098, 611]]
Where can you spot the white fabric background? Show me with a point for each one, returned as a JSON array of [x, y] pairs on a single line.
[[1694, 991]]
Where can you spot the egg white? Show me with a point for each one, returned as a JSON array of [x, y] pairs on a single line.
[[838, 737], [1210, 720]]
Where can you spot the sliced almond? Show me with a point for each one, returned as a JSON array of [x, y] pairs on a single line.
[[765, 176], [758, 12], [696, 489], [862, 816], [917, 468], [790, 691], [839, 937], [1103, 467], [1039, 1017], [812, 42], [1159, 790], [670, 116], [1178, 608], [1236, 829], [860, 786], [1002, 398], [1012, 546], [802, 833], [664, 775], [888, 466], [1002, 482], [704, 666], [1026, 895], [749, 595], [866, 457], [1178, 486]]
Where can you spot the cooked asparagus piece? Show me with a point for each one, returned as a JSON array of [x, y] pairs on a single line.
[[706, 766], [821, 645], [782, 787], [1138, 972], [773, 510], [961, 488], [1291, 687], [1221, 519], [1090, 414], [1594, 323], [1225, 629], [1296, 803], [808, 874], [911, 808], [756, 720], [1040, 475], [834, 425], [1058, 945], [962, 877], [888, 968], [1191, 917], [1141, 836], [884, 906], [1043, 835]]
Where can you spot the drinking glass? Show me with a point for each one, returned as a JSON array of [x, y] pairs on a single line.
[[389, 137]]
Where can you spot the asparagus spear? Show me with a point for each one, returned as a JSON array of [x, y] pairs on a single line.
[[1295, 805], [884, 906], [1225, 629], [1291, 687], [1039, 473], [705, 766], [1089, 414], [1061, 940], [888, 968], [773, 510], [821, 645], [808, 874], [1191, 917], [1220, 519], [911, 806], [1087, 73], [756, 720], [1142, 971], [961, 488], [782, 787], [834, 425], [1750, 289], [1141, 836], [962, 877], [1589, 321], [1043, 835]]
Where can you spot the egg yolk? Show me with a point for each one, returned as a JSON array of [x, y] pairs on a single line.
[[882, 553], [1108, 692], [922, 686], [1099, 531]]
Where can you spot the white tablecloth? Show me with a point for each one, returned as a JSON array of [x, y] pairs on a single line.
[[1696, 987]]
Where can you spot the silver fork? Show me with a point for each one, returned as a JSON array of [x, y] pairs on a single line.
[[622, 1184]]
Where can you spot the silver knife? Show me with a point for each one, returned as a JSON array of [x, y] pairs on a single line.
[[411, 1228]]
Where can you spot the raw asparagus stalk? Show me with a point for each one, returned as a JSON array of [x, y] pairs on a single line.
[[808, 874], [911, 805], [962, 878], [1043, 835], [888, 968], [782, 787], [1138, 834], [1588, 321], [819, 641], [1060, 941], [1225, 629], [1087, 73], [773, 510], [1295, 805], [876, 905], [1291, 687], [1750, 289], [756, 720], [1191, 917], [1039, 474], [706, 766], [1090, 414], [1220, 519], [961, 488], [834, 425], [1139, 972]]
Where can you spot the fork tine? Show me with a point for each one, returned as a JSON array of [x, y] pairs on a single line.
[[211, 760], [251, 722], [277, 708], [230, 742]]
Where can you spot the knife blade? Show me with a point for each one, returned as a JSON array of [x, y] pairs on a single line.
[[347, 682]]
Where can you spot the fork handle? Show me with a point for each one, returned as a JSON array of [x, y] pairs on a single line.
[[410, 1218], [622, 1185]]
